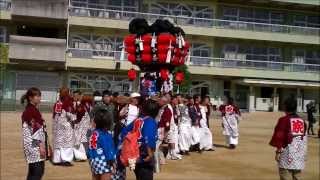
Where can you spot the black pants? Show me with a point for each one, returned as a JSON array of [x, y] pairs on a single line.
[[310, 127], [144, 172], [35, 171]]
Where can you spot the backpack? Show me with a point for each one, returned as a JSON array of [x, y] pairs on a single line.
[[130, 148]]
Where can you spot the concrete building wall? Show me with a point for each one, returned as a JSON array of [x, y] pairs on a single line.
[[56, 9]]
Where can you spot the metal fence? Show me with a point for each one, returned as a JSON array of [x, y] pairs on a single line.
[[208, 61], [194, 21]]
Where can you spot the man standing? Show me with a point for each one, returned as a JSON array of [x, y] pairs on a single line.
[[311, 120], [105, 104], [195, 115], [290, 140]]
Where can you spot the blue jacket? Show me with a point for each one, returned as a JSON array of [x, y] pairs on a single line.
[[149, 135], [101, 143]]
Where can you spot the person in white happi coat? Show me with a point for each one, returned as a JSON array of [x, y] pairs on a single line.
[[230, 120], [82, 125], [63, 136], [184, 126], [205, 133]]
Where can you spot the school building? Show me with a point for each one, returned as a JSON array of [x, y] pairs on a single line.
[[257, 51]]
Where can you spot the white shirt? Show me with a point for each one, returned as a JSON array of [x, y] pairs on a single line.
[[133, 113]]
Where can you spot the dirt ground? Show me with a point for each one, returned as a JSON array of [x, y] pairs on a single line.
[[252, 160]]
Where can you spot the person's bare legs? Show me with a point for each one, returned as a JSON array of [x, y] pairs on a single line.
[[105, 176]]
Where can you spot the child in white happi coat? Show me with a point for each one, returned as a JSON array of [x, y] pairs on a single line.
[[230, 120]]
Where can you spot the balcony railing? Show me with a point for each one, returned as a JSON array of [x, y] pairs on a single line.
[[5, 5], [207, 61], [193, 21]]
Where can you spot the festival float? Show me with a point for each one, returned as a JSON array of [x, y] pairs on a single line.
[[160, 50]]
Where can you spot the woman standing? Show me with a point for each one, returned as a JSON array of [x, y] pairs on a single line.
[[82, 127], [34, 135], [63, 135]]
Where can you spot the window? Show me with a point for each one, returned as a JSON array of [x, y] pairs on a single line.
[[198, 53], [5, 5], [185, 11], [201, 50], [123, 5], [276, 18], [252, 15], [89, 83], [236, 51], [91, 41], [314, 21], [306, 56], [3, 34], [304, 20]]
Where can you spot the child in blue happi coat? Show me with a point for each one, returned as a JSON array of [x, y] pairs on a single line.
[[101, 151]]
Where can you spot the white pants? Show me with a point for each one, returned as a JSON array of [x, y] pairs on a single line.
[[205, 138], [185, 137], [195, 132], [62, 155], [232, 140], [80, 152]]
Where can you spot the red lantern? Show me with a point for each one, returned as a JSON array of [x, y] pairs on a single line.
[[165, 38], [162, 58], [132, 75], [130, 40], [132, 58], [146, 48], [162, 49], [131, 49], [146, 39], [146, 58], [175, 61], [164, 74], [181, 62], [179, 77], [177, 51], [173, 40]]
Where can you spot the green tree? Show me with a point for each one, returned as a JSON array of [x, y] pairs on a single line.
[[186, 84]]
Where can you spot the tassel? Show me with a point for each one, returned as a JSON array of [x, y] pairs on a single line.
[[182, 41], [179, 41], [130, 86], [140, 44], [169, 54], [122, 52], [153, 41], [188, 59]]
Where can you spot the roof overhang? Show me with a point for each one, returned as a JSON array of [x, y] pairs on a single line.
[[267, 82]]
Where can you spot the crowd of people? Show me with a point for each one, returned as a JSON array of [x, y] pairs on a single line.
[[114, 132]]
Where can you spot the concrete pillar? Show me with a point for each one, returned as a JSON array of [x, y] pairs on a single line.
[[299, 100], [252, 99], [275, 100]]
